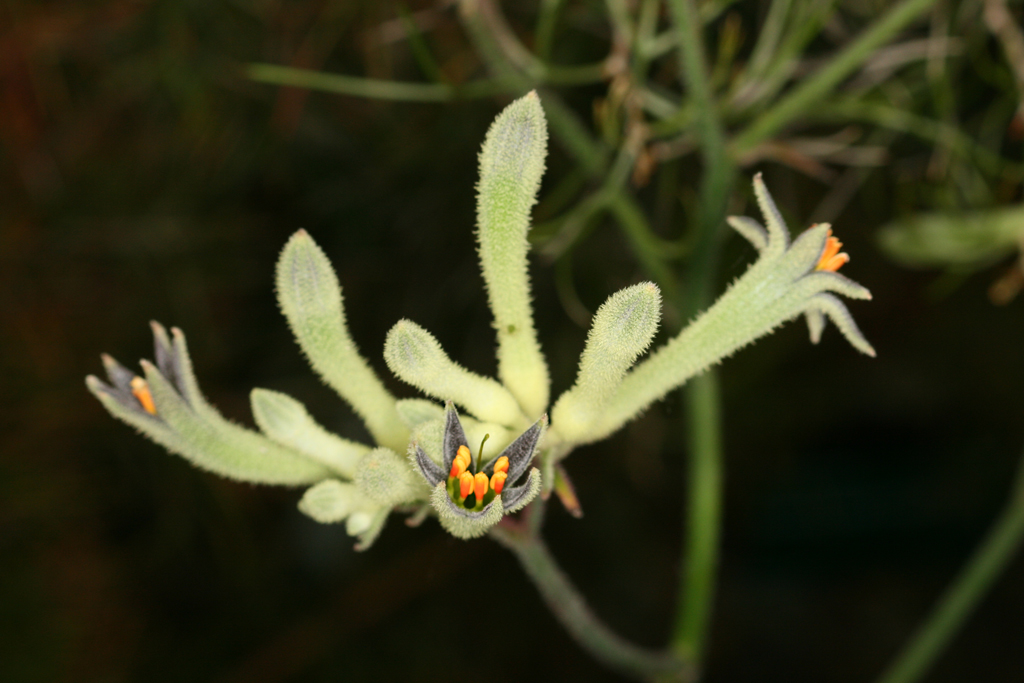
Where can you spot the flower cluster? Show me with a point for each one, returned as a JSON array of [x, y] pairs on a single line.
[[422, 461]]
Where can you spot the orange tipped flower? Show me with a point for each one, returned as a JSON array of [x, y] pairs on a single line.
[[461, 462], [480, 485], [831, 259], [465, 484], [140, 390], [476, 499]]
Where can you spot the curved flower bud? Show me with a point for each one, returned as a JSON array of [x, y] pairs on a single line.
[[416, 357], [287, 422], [469, 495], [787, 280], [623, 328], [386, 478], [511, 167], [311, 299]]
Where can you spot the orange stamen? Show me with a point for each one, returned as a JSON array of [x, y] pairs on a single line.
[[835, 263], [461, 462], [140, 390], [501, 465], [480, 486], [831, 260], [498, 481], [465, 484]]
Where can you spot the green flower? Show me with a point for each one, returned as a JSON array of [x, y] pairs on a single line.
[[471, 496], [360, 484]]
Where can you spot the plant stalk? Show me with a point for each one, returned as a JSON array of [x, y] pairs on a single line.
[[703, 516], [814, 89], [704, 486], [956, 605], [572, 611]]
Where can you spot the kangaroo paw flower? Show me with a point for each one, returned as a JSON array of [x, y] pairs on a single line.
[[786, 281], [470, 495]]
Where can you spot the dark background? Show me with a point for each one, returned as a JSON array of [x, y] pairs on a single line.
[[142, 177]]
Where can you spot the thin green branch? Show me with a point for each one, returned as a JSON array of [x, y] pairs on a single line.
[[647, 23], [667, 41], [571, 610], [753, 90], [805, 96], [704, 486], [697, 585], [418, 44], [544, 34], [371, 88], [893, 118], [768, 38], [985, 566], [592, 156], [381, 89], [621, 21]]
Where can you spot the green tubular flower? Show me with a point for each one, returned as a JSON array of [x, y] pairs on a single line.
[[471, 496], [354, 483], [787, 280], [360, 484], [168, 407]]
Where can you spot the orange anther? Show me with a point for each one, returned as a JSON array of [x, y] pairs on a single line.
[[831, 260], [501, 465], [498, 481], [140, 390], [835, 263], [480, 486], [465, 484], [461, 462], [458, 467]]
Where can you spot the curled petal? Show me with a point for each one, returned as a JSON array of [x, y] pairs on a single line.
[[837, 313], [185, 376], [827, 281], [454, 436], [120, 376], [520, 452], [430, 470], [815, 324], [751, 230], [518, 497], [166, 359], [778, 234]]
